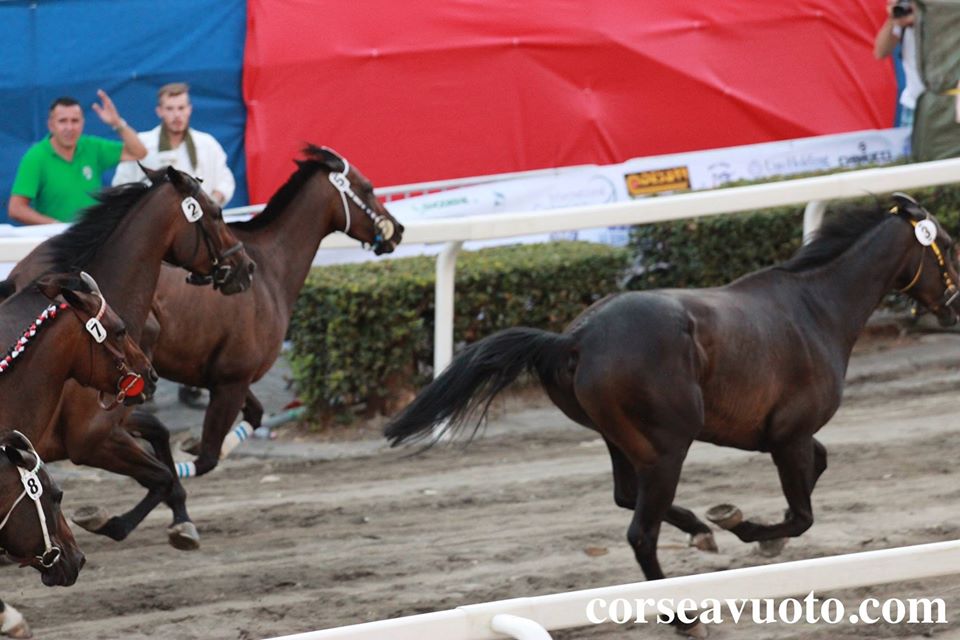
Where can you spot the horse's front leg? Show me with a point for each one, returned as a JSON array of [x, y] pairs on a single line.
[[120, 453], [800, 463], [226, 400], [12, 622]]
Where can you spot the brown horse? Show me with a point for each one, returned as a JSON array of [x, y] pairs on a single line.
[[33, 531], [122, 242], [225, 346], [81, 338], [758, 364]]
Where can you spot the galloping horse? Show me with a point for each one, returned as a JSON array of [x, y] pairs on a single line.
[[122, 242], [81, 338], [33, 531], [757, 364], [225, 346]]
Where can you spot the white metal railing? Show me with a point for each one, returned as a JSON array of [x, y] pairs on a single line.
[[454, 231], [565, 610]]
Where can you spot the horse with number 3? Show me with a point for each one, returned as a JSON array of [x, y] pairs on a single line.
[[758, 364]]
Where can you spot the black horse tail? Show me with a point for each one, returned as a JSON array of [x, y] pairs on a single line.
[[464, 391]]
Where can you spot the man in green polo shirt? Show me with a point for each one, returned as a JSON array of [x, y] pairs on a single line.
[[58, 176]]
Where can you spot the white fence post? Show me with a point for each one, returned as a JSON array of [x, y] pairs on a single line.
[[443, 312], [812, 217]]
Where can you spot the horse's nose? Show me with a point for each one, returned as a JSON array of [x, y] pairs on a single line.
[[251, 267], [154, 376]]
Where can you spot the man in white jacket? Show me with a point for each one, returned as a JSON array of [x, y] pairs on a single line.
[[174, 143]]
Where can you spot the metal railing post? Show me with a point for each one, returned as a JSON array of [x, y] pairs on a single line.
[[812, 218], [443, 312]]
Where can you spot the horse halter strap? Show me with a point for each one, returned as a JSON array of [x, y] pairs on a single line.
[[130, 382], [382, 224], [34, 489], [221, 272], [951, 292]]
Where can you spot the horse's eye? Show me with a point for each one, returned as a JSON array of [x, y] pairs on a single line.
[[122, 332]]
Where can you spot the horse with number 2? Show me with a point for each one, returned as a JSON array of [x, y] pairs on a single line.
[[122, 242], [198, 339], [758, 364]]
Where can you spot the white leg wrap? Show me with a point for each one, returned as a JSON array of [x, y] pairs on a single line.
[[11, 618], [240, 432], [186, 469]]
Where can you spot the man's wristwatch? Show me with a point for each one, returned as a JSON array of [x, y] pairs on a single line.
[[121, 124]]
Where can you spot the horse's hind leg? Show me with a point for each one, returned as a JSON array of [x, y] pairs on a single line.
[[149, 427], [625, 495]]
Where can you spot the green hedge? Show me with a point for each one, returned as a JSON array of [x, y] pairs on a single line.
[[363, 334]]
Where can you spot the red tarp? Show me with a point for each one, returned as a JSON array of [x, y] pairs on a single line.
[[422, 90]]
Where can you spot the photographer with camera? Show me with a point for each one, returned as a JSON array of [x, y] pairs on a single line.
[[900, 27]]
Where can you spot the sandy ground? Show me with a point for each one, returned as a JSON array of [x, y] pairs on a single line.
[[300, 535]]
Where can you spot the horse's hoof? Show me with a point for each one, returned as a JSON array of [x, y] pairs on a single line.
[[184, 536], [704, 542], [21, 630], [13, 624], [771, 548], [91, 518], [725, 516], [698, 631]]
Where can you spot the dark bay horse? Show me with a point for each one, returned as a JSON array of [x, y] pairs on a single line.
[[122, 242], [226, 345], [758, 364], [33, 531]]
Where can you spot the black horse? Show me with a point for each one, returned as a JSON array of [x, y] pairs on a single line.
[[757, 364]]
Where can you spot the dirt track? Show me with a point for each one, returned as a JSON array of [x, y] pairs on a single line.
[[291, 545]]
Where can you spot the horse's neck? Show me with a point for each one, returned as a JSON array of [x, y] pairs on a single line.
[[127, 267], [30, 388], [284, 249], [846, 291]]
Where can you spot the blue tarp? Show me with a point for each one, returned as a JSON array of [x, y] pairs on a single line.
[[52, 48]]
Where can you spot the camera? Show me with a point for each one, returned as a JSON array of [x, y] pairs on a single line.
[[901, 8]]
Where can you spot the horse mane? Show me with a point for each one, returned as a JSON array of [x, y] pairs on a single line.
[[306, 168], [838, 233], [76, 247]]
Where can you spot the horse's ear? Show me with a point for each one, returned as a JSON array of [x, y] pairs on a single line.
[[153, 175], [906, 205], [175, 177], [71, 286], [332, 160], [19, 451]]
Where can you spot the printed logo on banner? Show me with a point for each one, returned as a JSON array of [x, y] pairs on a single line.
[[596, 190], [644, 183], [865, 155], [720, 173]]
